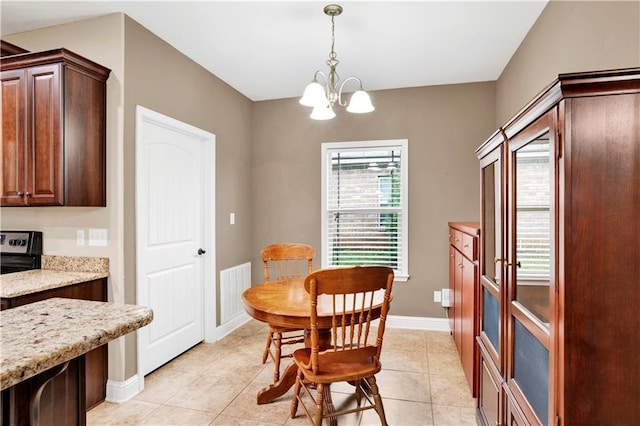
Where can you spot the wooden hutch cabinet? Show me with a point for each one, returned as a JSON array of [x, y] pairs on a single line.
[[463, 283], [559, 294], [53, 130]]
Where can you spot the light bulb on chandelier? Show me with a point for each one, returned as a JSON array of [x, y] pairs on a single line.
[[323, 98]]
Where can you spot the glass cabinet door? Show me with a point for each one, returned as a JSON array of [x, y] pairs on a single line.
[[530, 270], [491, 237], [532, 238]]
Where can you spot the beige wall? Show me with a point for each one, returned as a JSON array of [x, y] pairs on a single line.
[[164, 80], [569, 36], [444, 125]]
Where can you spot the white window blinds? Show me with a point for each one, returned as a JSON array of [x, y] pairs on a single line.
[[365, 204], [533, 224]]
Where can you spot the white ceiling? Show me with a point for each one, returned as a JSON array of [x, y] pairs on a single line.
[[270, 50]]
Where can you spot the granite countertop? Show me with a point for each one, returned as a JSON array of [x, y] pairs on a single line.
[[41, 335], [57, 271], [27, 282]]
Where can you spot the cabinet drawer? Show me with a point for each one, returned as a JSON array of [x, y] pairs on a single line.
[[466, 244], [452, 236], [469, 246]]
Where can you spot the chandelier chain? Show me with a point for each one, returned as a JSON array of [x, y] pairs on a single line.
[[333, 54]]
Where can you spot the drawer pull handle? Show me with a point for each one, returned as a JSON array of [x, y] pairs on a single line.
[[466, 246], [457, 239], [496, 260], [517, 264]]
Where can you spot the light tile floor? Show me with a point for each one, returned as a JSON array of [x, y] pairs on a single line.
[[421, 383]]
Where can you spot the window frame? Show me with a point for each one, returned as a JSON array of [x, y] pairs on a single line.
[[402, 145]]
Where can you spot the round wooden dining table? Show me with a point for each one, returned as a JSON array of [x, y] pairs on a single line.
[[285, 303]]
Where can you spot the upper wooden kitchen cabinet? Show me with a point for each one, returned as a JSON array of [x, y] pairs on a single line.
[[53, 130]]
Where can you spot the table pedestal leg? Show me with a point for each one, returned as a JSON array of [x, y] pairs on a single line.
[[288, 378]]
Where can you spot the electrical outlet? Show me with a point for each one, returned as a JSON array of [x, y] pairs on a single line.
[[437, 296], [80, 237], [97, 237], [447, 295]]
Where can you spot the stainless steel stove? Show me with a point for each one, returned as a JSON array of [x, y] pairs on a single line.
[[20, 251]]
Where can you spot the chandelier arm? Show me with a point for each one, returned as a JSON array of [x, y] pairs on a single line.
[[342, 86], [324, 77]]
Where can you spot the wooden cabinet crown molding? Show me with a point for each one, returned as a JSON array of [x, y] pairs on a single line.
[[570, 85], [8, 49], [79, 63]]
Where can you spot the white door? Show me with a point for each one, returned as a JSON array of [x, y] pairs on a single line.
[[174, 245]]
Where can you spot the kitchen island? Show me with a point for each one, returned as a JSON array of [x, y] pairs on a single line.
[[71, 277], [46, 338]]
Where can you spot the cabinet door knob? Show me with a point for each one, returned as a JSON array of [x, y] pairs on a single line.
[[19, 193], [466, 246], [496, 260], [27, 194]]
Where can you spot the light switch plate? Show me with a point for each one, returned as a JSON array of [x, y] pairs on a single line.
[[80, 237], [97, 237]]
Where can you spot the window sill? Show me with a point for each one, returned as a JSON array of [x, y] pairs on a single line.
[[402, 278]]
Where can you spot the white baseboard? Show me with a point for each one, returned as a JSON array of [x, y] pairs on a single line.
[[231, 325], [393, 321], [119, 392], [418, 323]]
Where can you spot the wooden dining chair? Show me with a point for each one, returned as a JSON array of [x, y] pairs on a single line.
[[282, 261], [353, 297]]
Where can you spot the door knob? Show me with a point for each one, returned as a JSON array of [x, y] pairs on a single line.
[[200, 251]]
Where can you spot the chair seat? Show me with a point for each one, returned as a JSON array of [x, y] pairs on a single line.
[[338, 366]]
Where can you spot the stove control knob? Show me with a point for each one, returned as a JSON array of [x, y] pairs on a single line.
[[12, 242], [23, 242]]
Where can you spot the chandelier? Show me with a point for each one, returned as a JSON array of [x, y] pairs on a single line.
[[323, 98]]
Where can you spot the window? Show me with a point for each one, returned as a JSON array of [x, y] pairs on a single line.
[[364, 203]]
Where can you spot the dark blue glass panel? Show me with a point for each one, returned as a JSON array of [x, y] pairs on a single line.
[[490, 318], [531, 371]]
